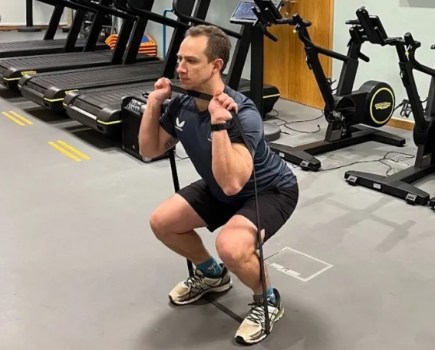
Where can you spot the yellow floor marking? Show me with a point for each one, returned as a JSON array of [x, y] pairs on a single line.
[[20, 117], [73, 150], [15, 120], [64, 151]]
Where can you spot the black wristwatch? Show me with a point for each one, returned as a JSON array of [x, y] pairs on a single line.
[[220, 126]]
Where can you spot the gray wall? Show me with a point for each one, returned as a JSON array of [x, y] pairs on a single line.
[[398, 17]]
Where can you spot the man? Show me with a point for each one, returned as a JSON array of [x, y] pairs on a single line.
[[225, 194]]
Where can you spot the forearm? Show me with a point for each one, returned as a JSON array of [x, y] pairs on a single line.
[[230, 167], [149, 130]]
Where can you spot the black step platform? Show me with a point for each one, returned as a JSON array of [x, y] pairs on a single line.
[[100, 109]]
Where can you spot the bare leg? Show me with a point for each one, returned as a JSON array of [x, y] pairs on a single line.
[[173, 223], [236, 246]]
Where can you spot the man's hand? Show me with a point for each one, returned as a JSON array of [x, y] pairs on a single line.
[[220, 106], [162, 91]]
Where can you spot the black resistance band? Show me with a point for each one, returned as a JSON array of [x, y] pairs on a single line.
[[208, 97]]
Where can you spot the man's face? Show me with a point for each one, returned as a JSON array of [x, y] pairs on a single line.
[[194, 69]]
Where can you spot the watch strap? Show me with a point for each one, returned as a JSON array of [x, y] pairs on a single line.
[[218, 127]]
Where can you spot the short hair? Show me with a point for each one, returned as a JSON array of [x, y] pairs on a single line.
[[218, 43]]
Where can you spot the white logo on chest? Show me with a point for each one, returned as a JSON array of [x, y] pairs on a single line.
[[179, 125]]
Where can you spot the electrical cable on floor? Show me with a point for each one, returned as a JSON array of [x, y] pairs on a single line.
[[286, 124], [380, 160]]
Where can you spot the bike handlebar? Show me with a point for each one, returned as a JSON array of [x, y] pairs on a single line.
[[412, 46]]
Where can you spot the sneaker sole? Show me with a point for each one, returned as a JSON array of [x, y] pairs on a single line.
[[240, 340], [220, 289]]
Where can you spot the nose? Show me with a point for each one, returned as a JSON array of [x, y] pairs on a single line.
[[180, 67]]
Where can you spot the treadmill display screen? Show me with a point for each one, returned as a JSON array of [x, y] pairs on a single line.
[[244, 13]]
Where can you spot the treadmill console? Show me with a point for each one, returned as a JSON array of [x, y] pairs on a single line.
[[132, 109], [243, 13], [135, 106]]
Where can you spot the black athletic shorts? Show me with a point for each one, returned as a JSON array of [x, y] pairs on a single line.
[[275, 206]]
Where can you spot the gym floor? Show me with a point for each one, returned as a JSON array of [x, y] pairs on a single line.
[[81, 269]]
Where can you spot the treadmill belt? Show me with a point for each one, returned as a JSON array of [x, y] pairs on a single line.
[[100, 108], [30, 48], [103, 76], [93, 101], [54, 62], [109, 98]]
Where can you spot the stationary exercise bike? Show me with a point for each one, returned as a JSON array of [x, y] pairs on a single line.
[[346, 110], [400, 184]]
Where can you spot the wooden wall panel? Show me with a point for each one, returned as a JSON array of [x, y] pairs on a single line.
[[284, 60]]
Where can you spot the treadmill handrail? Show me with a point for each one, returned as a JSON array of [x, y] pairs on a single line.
[[156, 17], [173, 23], [200, 21], [107, 9], [70, 4]]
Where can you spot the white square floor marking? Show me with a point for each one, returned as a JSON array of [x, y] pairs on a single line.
[[297, 264]]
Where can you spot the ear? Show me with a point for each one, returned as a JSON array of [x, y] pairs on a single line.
[[218, 64]]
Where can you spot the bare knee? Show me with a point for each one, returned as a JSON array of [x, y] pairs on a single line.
[[159, 225], [232, 253]]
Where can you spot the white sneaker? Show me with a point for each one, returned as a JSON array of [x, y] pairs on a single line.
[[194, 287], [253, 328]]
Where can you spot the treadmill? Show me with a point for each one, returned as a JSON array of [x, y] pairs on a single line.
[[49, 89], [100, 108], [12, 70], [48, 44]]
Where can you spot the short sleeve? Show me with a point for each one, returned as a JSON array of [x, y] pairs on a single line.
[[169, 115], [252, 125]]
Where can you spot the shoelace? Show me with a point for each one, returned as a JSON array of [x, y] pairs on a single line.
[[194, 280], [256, 314]]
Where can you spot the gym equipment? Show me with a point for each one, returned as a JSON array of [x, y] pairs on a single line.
[[100, 108], [400, 183], [249, 13], [48, 44], [50, 90], [346, 110], [12, 70], [29, 19], [432, 203], [106, 29]]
